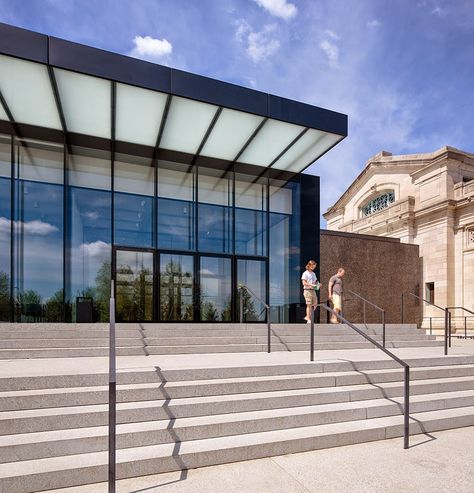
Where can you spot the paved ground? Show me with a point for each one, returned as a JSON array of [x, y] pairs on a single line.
[[439, 462]]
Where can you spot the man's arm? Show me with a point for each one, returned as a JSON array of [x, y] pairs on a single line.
[[330, 286]]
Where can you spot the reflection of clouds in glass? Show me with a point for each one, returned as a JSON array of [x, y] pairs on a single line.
[[207, 272], [91, 215], [35, 227], [95, 249]]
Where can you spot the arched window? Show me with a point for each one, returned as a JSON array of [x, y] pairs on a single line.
[[378, 203]]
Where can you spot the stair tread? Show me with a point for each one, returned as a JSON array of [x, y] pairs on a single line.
[[163, 424], [343, 389], [64, 463]]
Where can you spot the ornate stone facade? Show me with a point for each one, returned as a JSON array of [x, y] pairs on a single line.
[[424, 199]]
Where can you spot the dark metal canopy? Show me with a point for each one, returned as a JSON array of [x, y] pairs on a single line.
[[68, 88]]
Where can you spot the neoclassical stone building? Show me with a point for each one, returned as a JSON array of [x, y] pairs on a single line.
[[424, 199]]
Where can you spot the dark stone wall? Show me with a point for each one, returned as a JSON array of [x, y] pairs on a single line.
[[377, 268]]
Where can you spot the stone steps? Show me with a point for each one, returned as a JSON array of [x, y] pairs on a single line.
[[53, 428]]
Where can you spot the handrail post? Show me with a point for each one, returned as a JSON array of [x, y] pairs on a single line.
[[406, 420], [311, 343], [445, 331], [112, 390], [383, 328], [364, 312], [465, 327], [269, 350], [449, 318], [431, 326], [402, 310], [241, 304]]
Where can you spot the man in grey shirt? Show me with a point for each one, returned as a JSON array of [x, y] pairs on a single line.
[[335, 293]]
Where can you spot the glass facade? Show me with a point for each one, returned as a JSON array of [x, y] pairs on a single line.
[[177, 238]]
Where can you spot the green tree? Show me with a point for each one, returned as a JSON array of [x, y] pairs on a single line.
[[4, 296], [54, 307]]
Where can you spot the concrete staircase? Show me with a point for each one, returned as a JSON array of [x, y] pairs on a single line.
[[75, 340], [53, 429]]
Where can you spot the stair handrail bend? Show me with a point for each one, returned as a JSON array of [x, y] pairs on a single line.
[[404, 364], [446, 316], [375, 306], [449, 308], [267, 307]]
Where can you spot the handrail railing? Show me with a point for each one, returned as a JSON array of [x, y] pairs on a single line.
[[112, 391], [267, 307], [375, 306], [446, 315], [406, 366], [449, 308]]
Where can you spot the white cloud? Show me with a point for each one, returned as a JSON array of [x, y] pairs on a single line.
[[437, 11], [259, 45], [150, 48], [331, 50], [331, 34], [95, 249], [279, 8], [373, 23], [93, 215], [35, 227]]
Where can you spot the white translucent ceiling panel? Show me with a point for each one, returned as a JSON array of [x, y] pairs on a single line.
[[27, 90], [86, 103], [270, 141], [229, 135], [306, 150], [139, 114], [3, 115], [186, 124]]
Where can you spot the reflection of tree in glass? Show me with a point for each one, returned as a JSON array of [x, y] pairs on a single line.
[[209, 312], [226, 314], [102, 292], [250, 314], [175, 303], [134, 294], [4, 296], [54, 307]]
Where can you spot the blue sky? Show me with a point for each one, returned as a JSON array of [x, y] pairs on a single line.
[[403, 70]]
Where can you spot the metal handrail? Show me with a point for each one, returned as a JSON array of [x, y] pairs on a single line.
[[446, 316], [406, 366], [112, 392], [375, 306], [449, 308], [267, 307]]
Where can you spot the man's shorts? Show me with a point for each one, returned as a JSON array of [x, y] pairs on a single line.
[[310, 297], [336, 301]]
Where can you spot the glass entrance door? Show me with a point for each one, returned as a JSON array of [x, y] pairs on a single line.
[[134, 292], [252, 273]]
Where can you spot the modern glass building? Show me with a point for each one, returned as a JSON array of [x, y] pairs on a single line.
[[177, 186]]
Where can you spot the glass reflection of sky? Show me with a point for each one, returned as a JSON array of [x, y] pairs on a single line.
[[39, 238]]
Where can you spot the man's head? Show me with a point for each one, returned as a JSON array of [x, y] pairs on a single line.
[[340, 272]]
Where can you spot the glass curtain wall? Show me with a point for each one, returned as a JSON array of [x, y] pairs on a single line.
[[250, 215], [5, 227], [134, 189], [215, 197], [176, 206], [89, 237], [176, 287], [215, 276], [284, 254], [38, 235]]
